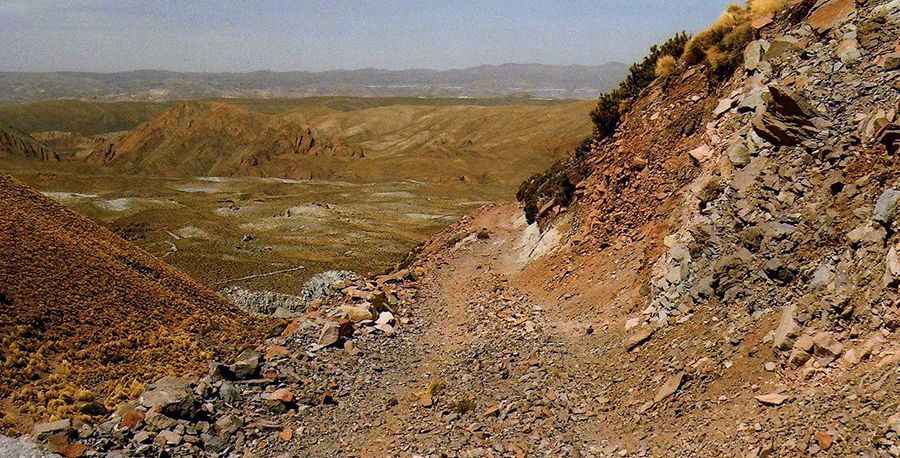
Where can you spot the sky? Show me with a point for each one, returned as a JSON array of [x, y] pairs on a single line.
[[313, 35]]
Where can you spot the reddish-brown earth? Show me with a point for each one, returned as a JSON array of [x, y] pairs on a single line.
[[83, 310]]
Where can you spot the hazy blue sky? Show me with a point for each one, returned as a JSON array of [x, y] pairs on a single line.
[[242, 35]]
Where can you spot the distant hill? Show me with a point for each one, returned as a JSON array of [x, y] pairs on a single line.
[[21, 145], [221, 139], [536, 80], [436, 143]]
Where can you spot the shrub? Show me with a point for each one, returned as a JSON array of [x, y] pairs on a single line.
[[612, 105], [665, 66], [721, 46]]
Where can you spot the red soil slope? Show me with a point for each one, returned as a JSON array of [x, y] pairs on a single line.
[[84, 315]]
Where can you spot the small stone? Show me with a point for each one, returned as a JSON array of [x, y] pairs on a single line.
[[772, 399], [638, 337], [356, 313], [824, 440], [167, 437], [669, 387], [826, 348], [891, 62], [770, 366], [228, 424], [283, 394], [701, 153], [142, 437], [787, 331], [848, 51]]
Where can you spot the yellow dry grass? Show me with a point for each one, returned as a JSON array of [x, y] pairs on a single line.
[[665, 66]]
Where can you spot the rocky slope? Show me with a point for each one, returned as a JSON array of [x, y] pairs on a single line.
[[720, 281], [15, 144], [86, 317]]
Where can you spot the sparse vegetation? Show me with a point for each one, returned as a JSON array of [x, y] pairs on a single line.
[[614, 104], [721, 46], [665, 66]]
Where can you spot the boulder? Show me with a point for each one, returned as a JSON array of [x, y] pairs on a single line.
[[171, 396], [848, 51], [738, 154], [788, 330], [669, 387], [229, 393], [826, 348], [246, 366], [781, 46], [787, 119], [43, 430], [886, 207], [830, 14]]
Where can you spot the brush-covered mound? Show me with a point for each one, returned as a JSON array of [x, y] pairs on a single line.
[[85, 317]]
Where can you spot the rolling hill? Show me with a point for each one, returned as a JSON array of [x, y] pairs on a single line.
[[391, 142]]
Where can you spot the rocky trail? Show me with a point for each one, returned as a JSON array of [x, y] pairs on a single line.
[[719, 277]]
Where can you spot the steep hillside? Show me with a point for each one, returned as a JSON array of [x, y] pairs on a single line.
[[86, 318], [15, 144]]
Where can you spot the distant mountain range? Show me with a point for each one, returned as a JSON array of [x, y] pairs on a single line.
[[535, 80]]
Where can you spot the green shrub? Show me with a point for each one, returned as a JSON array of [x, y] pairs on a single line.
[[612, 105]]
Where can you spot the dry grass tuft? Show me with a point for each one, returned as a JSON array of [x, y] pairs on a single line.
[[665, 66], [759, 8]]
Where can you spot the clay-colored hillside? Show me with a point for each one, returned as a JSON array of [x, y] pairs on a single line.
[[422, 142], [85, 316], [218, 139]]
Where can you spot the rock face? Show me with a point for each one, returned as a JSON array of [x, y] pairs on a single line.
[[16, 144], [787, 119], [831, 13]]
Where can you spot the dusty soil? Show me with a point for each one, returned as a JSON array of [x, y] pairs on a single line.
[[86, 316]]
